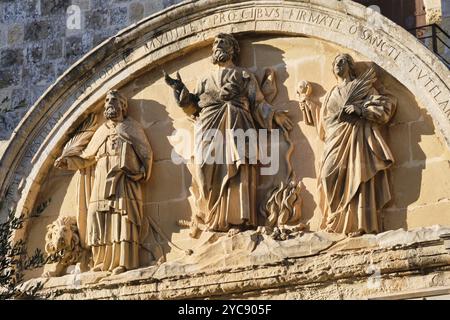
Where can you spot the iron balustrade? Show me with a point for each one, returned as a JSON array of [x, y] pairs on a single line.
[[438, 37]]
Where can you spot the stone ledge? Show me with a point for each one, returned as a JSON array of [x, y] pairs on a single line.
[[339, 269]]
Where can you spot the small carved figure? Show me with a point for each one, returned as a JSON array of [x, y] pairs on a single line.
[[310, 110], [353, 174], [62, 239], [269, 85]]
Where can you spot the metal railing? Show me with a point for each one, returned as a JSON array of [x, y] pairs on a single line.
[[439, 40]]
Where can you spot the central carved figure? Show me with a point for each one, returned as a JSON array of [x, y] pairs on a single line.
[[226, 103]]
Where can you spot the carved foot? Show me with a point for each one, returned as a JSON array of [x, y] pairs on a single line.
[[233, 231], [194, 230], [161, 260], [358, 233], [329, 230], [97, 268], [49, 274], [118, 270], [300, 227], [264, 230]]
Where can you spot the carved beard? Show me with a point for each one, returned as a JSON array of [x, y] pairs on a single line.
[[220, 56], [111, 112]]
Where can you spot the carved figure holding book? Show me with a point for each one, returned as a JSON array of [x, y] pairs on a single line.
[[115, 160]]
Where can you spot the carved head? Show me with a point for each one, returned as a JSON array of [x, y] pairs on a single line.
[[344, 66], [116, 106], [62, 237], [304, 90], [225, 48]]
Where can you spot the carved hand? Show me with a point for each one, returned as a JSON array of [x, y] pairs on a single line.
[[350, 109], [281, 119], [61, 163], [176, 84]]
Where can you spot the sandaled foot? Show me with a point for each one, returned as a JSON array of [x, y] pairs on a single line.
[[97, 268], [161, 260], [358, 233], [233, 232], [300, 227], [118, 270], [329, 230]]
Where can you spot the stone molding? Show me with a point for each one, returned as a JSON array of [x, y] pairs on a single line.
[[314, 266]]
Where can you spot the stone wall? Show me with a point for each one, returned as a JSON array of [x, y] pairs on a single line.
[[36, 45]]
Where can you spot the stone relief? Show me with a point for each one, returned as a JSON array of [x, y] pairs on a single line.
[[62, 237], [115, 158], [227, 102], [310, 110], [353, 175], [284, 209]]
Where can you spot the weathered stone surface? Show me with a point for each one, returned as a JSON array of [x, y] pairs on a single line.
[[252, 270], [73, 46], [119, 16], [10, 57], [9, 78], [51, 7], [97, 19], [54, 49], [392, 238], [15, 34], [37, 30], [34, 53], [136, 12]]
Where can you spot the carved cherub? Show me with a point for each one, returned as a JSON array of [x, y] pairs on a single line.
[[309, 108]]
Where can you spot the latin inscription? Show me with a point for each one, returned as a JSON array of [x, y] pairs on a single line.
[[375, 39], [435, 91]]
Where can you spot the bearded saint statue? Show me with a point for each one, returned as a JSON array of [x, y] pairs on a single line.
[[225, 102], [114, 162]]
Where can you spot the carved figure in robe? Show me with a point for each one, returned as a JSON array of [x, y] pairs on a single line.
[[225, 102], [116, 160], [310, 110], [353, 174]]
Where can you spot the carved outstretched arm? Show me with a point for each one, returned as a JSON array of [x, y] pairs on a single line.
[[74, 162], [71, 157], [186, 100]]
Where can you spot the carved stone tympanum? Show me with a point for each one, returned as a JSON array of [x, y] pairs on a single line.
[[247, 186]]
